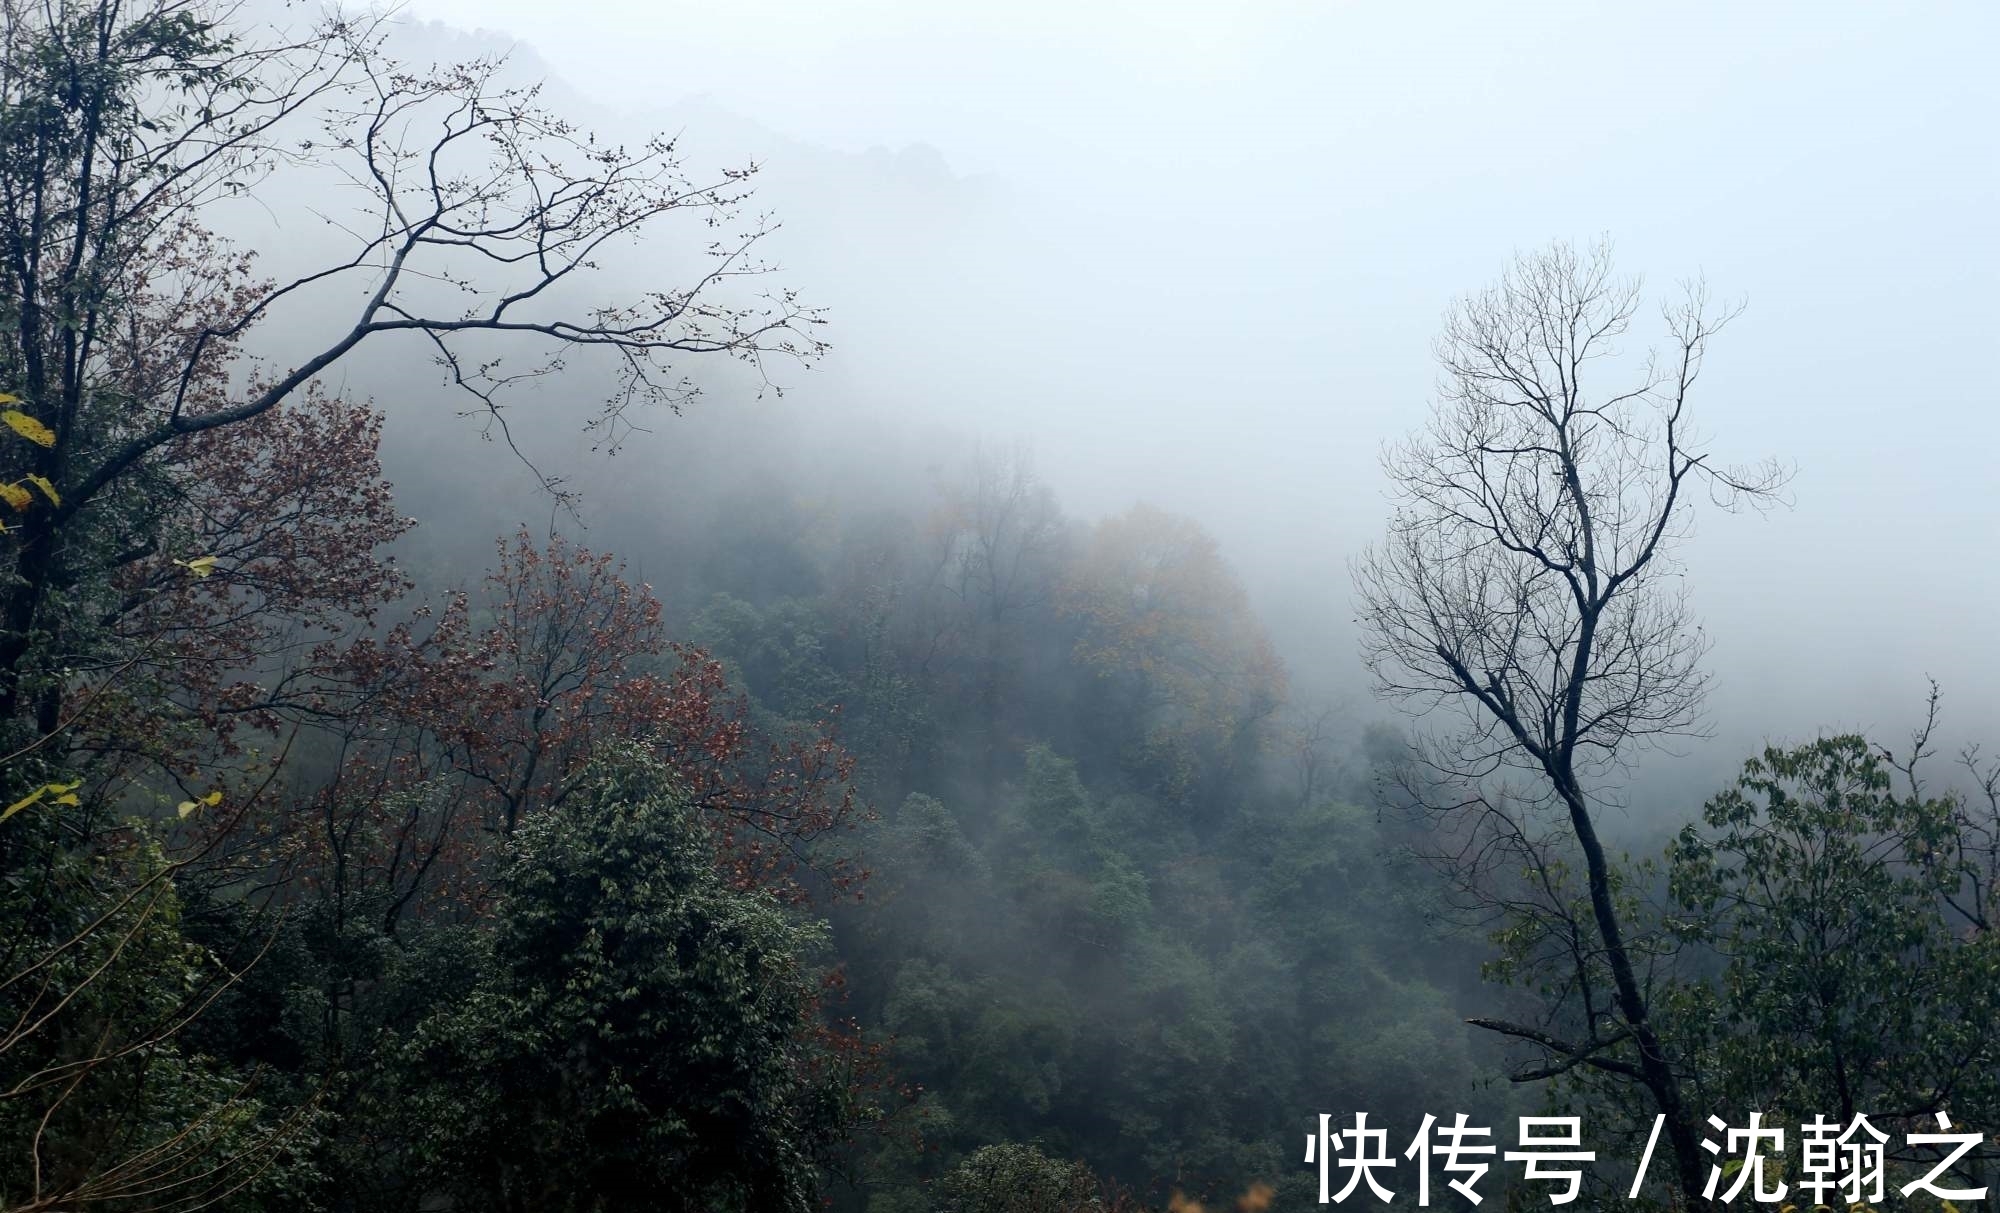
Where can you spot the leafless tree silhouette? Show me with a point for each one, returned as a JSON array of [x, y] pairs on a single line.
[[1527, 593]]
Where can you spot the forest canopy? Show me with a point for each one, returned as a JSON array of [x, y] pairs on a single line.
[[932, 848]]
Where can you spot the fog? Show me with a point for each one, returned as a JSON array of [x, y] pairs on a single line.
[[953, 763], [1198, 257]]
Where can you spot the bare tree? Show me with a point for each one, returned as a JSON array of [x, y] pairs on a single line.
[[1528, 587], [999, 539], [998, 534], [476, 222], [1308, 735]]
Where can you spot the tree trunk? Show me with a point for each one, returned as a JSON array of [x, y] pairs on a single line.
[[1658, 1075]]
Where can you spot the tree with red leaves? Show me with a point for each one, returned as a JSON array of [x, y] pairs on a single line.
[[478, 215], [192, 561], [450, 729], [293, 519]]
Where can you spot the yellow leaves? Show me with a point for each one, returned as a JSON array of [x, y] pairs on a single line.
[[60, 793], [20, 498], [209, 801], [27, 427], [1159, 602], [200, 566], [15, 493], [1947, 1206], [1255, 1199]]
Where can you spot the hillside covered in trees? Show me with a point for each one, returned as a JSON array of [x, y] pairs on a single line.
[[888, 837]]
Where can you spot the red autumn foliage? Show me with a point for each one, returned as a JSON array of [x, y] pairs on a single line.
[[448, 729], [289, 513], [252, 545]]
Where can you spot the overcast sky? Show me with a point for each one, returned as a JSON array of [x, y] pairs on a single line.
[[1224, 236]]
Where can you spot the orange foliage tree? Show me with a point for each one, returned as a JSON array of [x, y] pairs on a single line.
[[1163, 617]]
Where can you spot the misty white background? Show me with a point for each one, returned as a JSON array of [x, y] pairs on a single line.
[[1197, 255]]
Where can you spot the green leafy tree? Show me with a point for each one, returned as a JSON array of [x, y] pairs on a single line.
[[102, 1101], [1847, 982], [644, 1037], [1016, 1179]]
